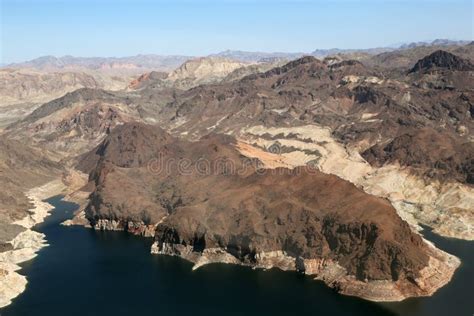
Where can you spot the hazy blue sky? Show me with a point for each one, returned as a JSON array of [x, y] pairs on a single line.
[[31, 28]]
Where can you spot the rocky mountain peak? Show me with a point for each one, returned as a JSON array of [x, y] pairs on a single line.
[[293, 65], [130, 145], [301, 61], [442, 59]]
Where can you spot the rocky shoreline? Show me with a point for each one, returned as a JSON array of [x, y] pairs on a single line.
[[135, 228], [26, 244], [435, 275]]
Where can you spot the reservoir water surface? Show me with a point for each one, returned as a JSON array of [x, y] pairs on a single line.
[[86, 272]]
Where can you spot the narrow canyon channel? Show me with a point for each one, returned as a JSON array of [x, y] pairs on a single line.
[[87, 272]]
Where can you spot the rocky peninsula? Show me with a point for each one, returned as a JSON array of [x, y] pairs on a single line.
[[320, 224]]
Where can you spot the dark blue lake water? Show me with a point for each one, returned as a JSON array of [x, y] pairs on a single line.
[[85, 272]]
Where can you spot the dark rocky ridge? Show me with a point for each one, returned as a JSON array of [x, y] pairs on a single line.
[[448, 158], [80, 95], [442, 59]]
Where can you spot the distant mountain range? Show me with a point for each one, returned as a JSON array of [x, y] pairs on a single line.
[[159, 62], [379, 50], [245, 56], [141, 63], [436, 42]]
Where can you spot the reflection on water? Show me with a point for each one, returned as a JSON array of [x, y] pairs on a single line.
[[84, 272]]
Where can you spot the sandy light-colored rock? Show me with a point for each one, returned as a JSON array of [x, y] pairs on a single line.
[[26, 244], [136, 228], [203, 67]]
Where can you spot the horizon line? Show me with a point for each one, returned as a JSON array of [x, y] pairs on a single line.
[[393, 46]]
